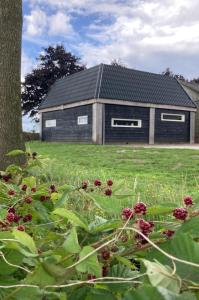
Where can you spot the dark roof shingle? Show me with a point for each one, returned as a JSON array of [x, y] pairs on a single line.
[[111, 82]]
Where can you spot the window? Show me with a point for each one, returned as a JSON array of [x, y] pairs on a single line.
[[126, 123], [82, 120], [50, 123], [172, 117]]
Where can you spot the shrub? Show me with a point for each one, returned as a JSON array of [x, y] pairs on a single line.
[[31, 136], [81, 242]]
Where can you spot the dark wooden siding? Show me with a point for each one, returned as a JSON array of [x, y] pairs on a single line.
[[67, 128], [122, 134], [171, 132]]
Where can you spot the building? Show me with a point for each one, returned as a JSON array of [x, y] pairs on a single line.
[[192, 89], [113, 104]]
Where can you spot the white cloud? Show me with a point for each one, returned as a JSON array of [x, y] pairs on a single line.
[[59, 24], [26, 65], [150, 34], [35, 23], [39, 25]]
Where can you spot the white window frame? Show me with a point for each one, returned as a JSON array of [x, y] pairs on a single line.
[[172, 120], [131, 126], [50, 123], [79, 118]]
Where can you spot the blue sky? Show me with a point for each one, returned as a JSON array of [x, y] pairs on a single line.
[[148, 35]]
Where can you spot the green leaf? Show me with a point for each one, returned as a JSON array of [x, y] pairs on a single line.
[[159, 210], [71, 243], [71, 216], [15, 153], [161, 276], [25, 240], [40, 277], [3, 213], [90, 264], [111, 204], [99, 294], [101, 224], [13, 257], [191, 227], [181, 246], [29, 181]]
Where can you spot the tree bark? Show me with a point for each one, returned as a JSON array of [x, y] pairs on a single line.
[[10, 81]]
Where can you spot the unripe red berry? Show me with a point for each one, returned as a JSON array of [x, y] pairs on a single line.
[[42, 198], [105, 255], [10, 217], [17, 218], [108, 192], [188, 200], [33, 190], [91, 277], [52, 188], [144, 226], [169, 233], [6, 178], [11, 193], [127, 213], [104, 271], [27, 218], [24, 187], [11, 210], [84, 185], [109, 182], [21, 228], [180, 213], [140, 208], [28, 200], [97, 182]]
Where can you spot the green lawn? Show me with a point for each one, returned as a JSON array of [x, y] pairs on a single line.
[[157, 174]]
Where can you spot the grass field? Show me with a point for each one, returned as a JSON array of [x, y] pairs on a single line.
[[160, 174]]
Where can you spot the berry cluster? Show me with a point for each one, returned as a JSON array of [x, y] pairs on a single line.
[[180, 213], [127, 213], [188, 200], [139, 208]]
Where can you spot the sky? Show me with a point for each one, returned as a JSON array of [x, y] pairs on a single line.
[[148, 35]]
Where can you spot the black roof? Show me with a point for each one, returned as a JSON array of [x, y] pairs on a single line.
[[119, 83]]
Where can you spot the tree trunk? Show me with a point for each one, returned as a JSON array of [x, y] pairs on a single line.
[[10, 81]]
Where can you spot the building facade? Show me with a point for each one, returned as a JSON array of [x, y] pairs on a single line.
[[109, 104]]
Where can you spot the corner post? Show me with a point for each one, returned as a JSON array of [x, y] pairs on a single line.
[[41, 127], [97, 128], [152, 126], [192, 127]]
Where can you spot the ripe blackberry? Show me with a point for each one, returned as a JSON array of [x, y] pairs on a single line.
[[108, 192], [140, 208], [10, 217], [127, 213], [109, 182], [97, 182], [180, 213], [188, 200]]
